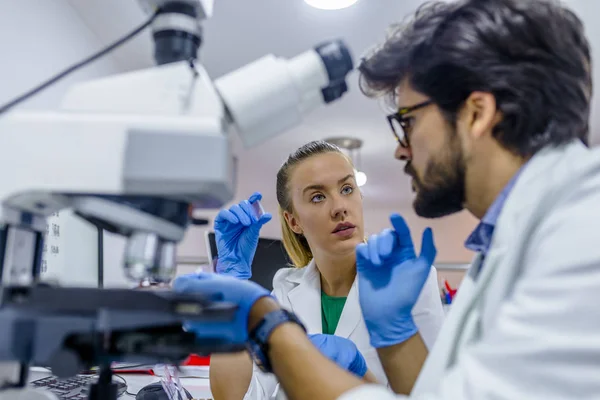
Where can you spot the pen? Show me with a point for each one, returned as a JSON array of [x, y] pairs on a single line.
[[451, 291]]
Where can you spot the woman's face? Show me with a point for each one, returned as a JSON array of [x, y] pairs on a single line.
[[327, 205]]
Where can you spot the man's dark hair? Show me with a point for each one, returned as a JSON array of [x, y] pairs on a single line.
[[532, 55]]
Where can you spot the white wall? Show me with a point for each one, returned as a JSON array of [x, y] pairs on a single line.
[[40, 38]]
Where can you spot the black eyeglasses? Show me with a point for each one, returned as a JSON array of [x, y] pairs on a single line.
[[399, 123]]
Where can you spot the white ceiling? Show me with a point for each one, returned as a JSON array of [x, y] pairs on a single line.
[[243, 30]]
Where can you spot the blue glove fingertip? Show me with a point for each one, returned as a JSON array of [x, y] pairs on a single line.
[[386, 243], [241, 214], [359, 365], [401, 228], [428, 250], [317, 339], [397, 219], [185, 282], [247, 207], [255, 196], [266, 217], [374, 251], [226, 215], [180, 284]]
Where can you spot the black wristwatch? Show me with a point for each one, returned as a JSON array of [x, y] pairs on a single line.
[[258, 346]]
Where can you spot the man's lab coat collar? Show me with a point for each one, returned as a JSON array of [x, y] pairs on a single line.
[[521, 194], [306, 302]]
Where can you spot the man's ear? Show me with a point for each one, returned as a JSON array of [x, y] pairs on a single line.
[[481, 114], [292, 222]]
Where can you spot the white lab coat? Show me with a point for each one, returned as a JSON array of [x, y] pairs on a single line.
[[528, 327], [299, 290]]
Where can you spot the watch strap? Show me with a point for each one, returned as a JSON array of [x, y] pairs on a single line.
[[258, 338]]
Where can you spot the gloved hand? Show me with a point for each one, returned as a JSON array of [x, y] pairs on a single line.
[[390, 280], [341, 351], [222, 288], [236, 234]]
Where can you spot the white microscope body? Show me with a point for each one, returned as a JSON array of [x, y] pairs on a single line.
[[133, 154]]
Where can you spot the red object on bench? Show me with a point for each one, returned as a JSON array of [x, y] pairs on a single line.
[[194, 359], [450, 290]]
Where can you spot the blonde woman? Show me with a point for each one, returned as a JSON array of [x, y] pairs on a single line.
[[321, 213]]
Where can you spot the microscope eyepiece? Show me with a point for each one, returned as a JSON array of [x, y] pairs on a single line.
[[177, 33], [337, 59], [179, 7], [338, 62]]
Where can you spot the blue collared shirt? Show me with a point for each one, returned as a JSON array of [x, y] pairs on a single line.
[[481, 238]]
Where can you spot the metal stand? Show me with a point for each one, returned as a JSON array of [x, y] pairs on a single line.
[[104, 388]]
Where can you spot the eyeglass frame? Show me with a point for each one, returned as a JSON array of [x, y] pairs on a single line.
[[399, 116]]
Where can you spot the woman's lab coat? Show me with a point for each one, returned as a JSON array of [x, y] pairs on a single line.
[[299, 290], [528, 326]]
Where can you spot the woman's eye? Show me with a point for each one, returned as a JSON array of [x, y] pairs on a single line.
[[317, 198], [347, 190]]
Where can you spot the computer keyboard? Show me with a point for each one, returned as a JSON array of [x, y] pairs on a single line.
[[75, 388]]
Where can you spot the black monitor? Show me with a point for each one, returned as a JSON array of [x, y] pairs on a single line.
[[270, 256]]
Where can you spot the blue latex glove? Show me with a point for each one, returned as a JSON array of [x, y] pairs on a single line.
[[222, 288], [236, 234], [390, 280], [341, 351]]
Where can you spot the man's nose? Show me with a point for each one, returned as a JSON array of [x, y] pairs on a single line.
[[403, 153]]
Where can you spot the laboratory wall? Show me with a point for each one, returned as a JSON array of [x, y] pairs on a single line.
[[449, 232], [42, 38], [449, 235]]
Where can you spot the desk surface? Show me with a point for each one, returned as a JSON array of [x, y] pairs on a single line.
[[198, 387]]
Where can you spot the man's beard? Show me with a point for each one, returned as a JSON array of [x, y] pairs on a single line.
[[441, 192]]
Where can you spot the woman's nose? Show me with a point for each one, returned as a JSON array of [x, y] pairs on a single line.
[[339, 208]]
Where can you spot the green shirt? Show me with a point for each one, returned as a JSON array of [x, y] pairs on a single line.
[[331, 311]]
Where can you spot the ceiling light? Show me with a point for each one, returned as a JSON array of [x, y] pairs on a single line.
[[352, 147], [361, 177], [330, 4]]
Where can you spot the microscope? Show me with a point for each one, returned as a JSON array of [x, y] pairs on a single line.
[[134, 154]]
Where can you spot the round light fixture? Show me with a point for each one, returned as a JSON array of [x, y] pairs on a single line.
[[330, 4], [361, 178], [352, 147]]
